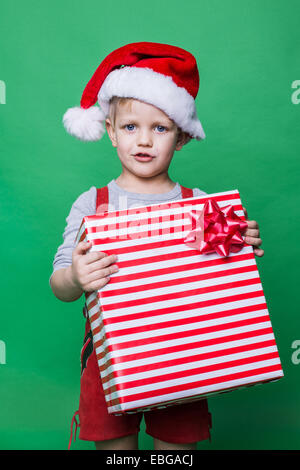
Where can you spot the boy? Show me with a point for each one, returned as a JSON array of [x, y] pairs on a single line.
[[149, 113]]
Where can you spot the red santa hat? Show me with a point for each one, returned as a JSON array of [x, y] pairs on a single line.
[[159, 74]]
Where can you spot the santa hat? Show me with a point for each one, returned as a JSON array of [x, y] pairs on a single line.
[[159, 74]]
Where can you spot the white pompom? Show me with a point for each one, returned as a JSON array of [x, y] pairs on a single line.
[[85, 124]]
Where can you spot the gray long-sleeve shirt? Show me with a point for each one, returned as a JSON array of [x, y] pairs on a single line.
[[119, 199]]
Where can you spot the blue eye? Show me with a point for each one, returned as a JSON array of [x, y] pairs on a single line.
[[131, 126], [161, 128]]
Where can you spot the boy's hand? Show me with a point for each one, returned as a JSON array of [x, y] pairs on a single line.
[[252, 235], [90, 271]]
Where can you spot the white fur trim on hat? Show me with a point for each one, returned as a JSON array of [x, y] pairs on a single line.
[[154, 88], [85, 124]]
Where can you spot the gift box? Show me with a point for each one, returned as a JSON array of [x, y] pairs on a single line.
[[185, 316]]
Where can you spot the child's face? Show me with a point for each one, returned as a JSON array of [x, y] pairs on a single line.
[[145, 138]]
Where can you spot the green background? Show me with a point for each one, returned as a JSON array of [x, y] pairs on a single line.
[[248, 58]]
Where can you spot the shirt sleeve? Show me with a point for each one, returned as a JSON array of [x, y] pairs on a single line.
[[84, 205]]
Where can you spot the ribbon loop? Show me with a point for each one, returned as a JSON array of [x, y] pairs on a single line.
[[216, 230]]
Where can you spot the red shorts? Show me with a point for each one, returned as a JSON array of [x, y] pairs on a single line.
[[186, 423]]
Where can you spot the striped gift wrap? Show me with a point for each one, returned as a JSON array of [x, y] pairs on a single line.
[[172, 325]]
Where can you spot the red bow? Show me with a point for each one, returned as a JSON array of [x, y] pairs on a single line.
[[216, 229]]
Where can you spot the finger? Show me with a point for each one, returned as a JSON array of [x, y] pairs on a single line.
[[258, 252], [101, 273], [252, 233], [97, 267], [253, 241], [252, 224], [106, 261], [245, 212], [97, 284], [102, 263], [95, 256]]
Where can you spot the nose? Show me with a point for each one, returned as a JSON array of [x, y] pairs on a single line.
[[144, 137]]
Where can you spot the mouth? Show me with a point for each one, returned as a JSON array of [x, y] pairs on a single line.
[[143, 157]]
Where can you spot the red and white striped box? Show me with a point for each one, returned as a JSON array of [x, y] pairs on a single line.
[[173, 325]]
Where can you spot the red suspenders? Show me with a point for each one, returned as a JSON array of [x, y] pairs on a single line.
[[102, 200], [186, 192]]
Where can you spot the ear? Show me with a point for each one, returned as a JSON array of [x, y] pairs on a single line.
[[182, 139], [111, 132]]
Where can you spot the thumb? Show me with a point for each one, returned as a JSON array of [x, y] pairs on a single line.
[[82, 248], [246, 213]]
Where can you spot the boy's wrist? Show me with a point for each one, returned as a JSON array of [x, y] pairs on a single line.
[[63, 287], [71, 280]]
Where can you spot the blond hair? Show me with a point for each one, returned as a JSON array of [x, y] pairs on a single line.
[[114, 102]]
